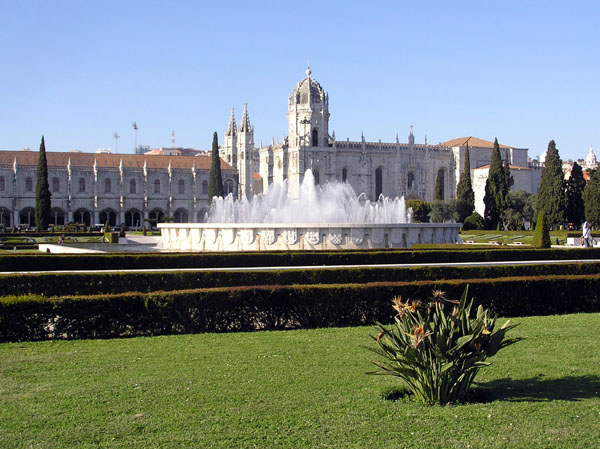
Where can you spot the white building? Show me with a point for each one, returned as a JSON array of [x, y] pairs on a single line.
[[388, 168]]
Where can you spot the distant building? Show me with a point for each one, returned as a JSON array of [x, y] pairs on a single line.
[[175, 152], [526, 176], [93, 188]]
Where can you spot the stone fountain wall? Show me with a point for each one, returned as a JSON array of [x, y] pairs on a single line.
[[214, 237]]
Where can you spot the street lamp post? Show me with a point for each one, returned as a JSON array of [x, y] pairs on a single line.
[[116, 136], [135, 128]]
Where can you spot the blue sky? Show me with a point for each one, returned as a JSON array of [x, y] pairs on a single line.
[[77, 71]]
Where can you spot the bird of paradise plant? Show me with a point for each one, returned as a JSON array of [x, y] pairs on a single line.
[[437, 348]]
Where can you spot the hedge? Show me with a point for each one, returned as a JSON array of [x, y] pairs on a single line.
[[57, 284], [43, 261], [276, 307]]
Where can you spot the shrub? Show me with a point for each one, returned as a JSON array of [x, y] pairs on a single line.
[[541, 237], [421, 210], [473, 221], [437, 348]]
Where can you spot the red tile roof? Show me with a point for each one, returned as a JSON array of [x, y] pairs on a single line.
[[473, 142], [60, 159]]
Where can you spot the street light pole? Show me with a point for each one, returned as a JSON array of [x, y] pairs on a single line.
[[135, 128], [116, 136]]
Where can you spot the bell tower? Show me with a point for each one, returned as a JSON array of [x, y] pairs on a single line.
[[308, 128], [244, 161]]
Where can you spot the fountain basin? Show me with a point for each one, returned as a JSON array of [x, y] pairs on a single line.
[[214, 237]]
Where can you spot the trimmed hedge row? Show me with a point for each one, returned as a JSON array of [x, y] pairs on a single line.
[[275, 307], [57, 284], [44, 261]]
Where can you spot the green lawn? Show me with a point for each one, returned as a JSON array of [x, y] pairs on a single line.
[[293, 389], [506, 237]]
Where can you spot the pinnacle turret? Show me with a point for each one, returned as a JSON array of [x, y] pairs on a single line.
[[245, 126], [232, 128]]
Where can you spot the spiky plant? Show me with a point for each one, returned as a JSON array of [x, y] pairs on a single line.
[[437, 348]]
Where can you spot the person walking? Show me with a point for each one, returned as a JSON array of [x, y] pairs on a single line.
[[587, 235]]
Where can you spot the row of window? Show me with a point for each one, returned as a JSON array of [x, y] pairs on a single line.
[[228, 185], [133, 217]]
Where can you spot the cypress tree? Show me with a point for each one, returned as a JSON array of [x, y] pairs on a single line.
[[43, 202], [215, 180], [541, 237], [495, 190], [591, 199], [465, 196], [551, 196], [508, 180], [575, 186]]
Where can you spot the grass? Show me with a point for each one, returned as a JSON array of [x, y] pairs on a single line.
[[293, 389], [525, 237]]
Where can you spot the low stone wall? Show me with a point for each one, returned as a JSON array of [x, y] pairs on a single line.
[[307, 236]]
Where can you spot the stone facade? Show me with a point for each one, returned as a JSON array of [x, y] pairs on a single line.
[[373, 168], [96, 188]]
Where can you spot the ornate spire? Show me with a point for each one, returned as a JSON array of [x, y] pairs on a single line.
[[245, 126], [308, 72], [232, 128]]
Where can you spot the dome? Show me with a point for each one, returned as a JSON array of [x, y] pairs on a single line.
[[305, 87], [591, 158]]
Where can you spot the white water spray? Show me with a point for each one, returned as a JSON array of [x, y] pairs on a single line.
[[331, 203]]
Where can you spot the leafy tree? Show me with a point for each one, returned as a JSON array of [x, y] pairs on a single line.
[[465, 196], [421, 210], [496, 190], [443, 211], [541, 237], [43, 201], [591, 199], [438, 194], [575, 186], [215, 180], [518, 211], [473, 221], [551, 196]]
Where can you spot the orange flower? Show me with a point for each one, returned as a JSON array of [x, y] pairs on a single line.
[[418, 336]]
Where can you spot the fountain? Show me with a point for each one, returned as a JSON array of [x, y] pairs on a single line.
[[324, 217]]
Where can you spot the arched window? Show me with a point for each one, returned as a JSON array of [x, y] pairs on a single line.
[[378, 182], [27, 216], [204, 187], [202, 215], [107, 185], [411, 180], [315, 137], [5, 217], [439, 185], [157, 215], [181, 216], [228, 187], [82, 216], [110, 216], [132, 186], [133, 218], [157, 186], [344, 174], [82, 184], [2, 186], [57, 216], [181, 187], [55, 184], [316, 176], [28, 184]]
